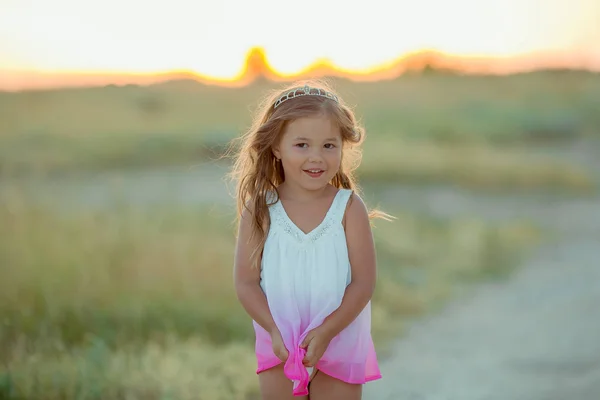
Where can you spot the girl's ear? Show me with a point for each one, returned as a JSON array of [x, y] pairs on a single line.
[[276, 152]]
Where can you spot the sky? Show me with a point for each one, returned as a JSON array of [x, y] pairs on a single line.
[[213, 37]]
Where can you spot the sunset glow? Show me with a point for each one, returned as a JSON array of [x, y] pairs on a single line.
[[213, 38]]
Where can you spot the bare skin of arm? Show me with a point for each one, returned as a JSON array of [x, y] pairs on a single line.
[[361, 251], [247, 286]]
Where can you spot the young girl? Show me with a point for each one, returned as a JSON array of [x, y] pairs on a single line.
[[305, 264]]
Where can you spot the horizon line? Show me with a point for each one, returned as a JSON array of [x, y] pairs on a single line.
[[256, 66]]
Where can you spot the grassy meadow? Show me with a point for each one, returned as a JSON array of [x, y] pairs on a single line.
[[129, 302], [421, 128]]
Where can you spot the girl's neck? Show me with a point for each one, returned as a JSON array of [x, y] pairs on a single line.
[[289, 192]]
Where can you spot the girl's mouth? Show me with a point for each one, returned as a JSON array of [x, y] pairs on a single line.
[[314, 173]]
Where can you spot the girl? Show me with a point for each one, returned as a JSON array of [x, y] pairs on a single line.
[[305, 265]]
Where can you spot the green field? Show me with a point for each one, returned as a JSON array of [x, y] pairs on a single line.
[[421, 128], [130, 302]]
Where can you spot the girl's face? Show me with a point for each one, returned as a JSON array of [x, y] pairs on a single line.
[[310, 150]]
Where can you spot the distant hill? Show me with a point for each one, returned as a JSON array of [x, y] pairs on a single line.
[[258, 67]]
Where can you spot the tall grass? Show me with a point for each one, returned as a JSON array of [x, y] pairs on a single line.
[[470, 165], [393, 160], [129, 303]]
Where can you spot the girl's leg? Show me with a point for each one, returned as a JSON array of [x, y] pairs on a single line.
[[324, 387], [274, 385]]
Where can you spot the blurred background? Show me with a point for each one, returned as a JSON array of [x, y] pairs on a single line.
[[117, 223]]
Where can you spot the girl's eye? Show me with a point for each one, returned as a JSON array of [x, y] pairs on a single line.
[[330, 146], [302, 145]]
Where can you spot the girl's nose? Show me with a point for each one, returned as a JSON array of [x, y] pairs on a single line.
[[315, 156]]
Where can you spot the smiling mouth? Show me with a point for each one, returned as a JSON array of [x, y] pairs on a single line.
[[314, 173]]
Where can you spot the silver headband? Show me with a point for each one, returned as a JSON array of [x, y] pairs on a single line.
[[305, 91]]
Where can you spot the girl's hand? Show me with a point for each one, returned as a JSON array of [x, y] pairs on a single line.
[[278, 345], [315, 343]]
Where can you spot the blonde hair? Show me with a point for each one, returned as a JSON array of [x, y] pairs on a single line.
[[256, 169]]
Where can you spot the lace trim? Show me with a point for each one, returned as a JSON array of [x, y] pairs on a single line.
[[281, 218]]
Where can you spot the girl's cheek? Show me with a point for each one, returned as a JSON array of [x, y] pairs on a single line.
[[335, 155], [296, 152]]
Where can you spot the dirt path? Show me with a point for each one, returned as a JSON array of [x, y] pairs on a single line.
[[534, 337]]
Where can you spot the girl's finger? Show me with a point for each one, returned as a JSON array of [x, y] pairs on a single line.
[[309, 354], [306, 341]]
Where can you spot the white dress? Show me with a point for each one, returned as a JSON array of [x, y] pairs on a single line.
[[304, 277]]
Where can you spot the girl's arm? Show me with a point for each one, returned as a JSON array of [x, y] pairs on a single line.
[[247, 279], [361, 251]]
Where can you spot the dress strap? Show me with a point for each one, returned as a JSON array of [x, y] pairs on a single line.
[[272, 200], [339, 204], [271, 197]]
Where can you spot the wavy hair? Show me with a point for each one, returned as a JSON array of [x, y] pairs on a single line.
[[257, 172]]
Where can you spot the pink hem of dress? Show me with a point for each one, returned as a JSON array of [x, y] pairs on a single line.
[[350, 381], [266, 367]]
